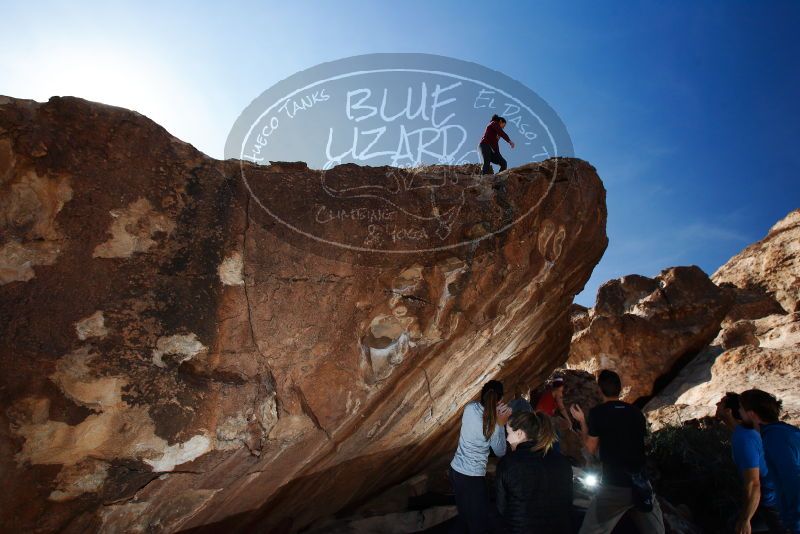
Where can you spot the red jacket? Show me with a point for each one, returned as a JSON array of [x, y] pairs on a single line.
[[492, 135], [547, 403]]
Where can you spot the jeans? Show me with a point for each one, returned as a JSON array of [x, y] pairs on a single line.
[[490, 156]]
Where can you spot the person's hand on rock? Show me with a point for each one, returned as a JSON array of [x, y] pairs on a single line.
[[577, 413]]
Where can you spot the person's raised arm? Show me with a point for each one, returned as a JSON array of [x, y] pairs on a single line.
[[589, 442], [747, 449], [752, 496], [504, 135], [498, 440]]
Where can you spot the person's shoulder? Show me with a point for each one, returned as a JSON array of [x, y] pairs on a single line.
[[783, 427], [556, 457], [473, 408], [627, 408], [742, 435], [793, 431], [745, 431], [618, 411], [508, 460], [598, 408], [781, 431], [625, 405], [638, 414]]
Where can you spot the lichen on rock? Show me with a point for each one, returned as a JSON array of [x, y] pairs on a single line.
[[92, 326], [29, 234], [133, 229]]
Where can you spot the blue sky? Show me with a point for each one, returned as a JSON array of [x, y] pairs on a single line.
[[689, 110]]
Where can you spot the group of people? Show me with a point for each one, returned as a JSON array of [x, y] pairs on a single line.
[[766, 452], [534, 481]]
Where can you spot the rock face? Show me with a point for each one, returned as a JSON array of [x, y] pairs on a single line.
[[766, 355], [176, 359], [580, 388], [771, 266], [641, 327], [758, 345], [423, 502]]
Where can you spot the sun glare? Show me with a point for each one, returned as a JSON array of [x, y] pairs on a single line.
[[133, 79]]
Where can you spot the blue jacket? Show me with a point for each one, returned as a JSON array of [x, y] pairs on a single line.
[[473, 448], [782, 452]]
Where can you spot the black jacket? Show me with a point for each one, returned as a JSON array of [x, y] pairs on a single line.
[[534, 491]]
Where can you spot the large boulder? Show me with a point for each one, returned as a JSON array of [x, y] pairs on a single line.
[[758, 345], [175, 358], [643, 327]]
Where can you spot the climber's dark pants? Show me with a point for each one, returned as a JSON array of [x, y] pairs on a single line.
[[490, 156], [476, 514]]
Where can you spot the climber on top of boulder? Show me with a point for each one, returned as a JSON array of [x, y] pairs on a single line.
[[490, 145]]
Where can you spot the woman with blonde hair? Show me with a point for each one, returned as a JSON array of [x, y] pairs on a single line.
[[534, 482]]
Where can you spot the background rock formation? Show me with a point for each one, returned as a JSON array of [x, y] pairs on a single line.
[[641, 327], [174, 358], [771, 266], [758, 345]]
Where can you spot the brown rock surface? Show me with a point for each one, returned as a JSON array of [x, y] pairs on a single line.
[[771, 265], [580, 388], [174, 358], [641, 327], [758, 345]]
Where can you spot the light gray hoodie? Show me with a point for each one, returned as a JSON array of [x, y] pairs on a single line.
[[473, 448]]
